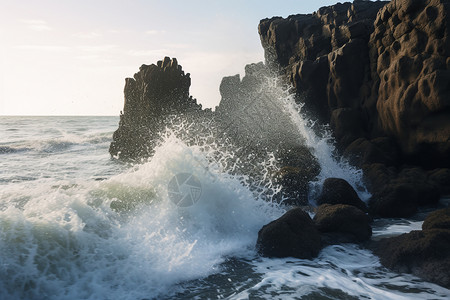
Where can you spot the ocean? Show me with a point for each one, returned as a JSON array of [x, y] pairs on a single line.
[[76, 223]]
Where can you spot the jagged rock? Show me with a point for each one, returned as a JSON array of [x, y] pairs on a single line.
[[382, 65], [342, 224], [292, 235], [339, 191], [319, 51], [425, 253], [155, 92], [250, 113]]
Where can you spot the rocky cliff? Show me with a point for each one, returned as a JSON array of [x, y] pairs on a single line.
[[372, 69], [155, 93]]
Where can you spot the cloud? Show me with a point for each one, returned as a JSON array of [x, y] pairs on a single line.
[[42, 47], [37, 25], [100, 48], [87, 35], [154, 32], [158, 52]]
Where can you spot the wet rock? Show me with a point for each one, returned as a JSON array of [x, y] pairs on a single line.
[[155, 92], [441, 177], [299, 167], [424, 253], [292, 235], [382, 150], [339, 191], [342, 224], [439, 219], [409, 50], [400, 194], [394, 200], [372, 69]]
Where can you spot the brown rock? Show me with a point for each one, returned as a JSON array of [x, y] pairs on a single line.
[[339, 191], [439, 219], [292, 235], [342, 224], [424, 253]]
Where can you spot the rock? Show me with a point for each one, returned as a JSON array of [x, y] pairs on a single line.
[[425, 253], [318, 53], [441, 177], [347, 125], [409, 50], [155, 92], [372, 70], [393, 201], [439, 219], [342, 224], [398, 194], [339, 191], [249, 115], [298, 168], [382, 150], [292, 235]]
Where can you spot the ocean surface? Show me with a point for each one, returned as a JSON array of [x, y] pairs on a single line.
[[78, 224]]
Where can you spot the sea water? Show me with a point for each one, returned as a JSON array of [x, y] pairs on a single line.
[[78, 224]]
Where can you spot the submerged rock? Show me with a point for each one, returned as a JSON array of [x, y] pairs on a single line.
[[292, 235], [439, 219], [339, 191], [342, 224], [425, 253]]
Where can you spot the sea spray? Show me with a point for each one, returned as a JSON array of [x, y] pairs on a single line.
[[74, 243], [318, 138]]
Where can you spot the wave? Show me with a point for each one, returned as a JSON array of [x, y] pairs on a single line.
[[54, 145]]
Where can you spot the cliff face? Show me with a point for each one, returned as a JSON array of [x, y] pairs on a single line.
[[372, 69], [155, 92]]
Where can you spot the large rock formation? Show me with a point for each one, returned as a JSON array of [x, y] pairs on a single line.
[[155, 93], [372, 69]]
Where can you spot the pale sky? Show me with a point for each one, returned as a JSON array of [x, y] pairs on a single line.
[[71, 57]]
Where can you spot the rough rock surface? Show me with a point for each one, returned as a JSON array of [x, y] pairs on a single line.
[[342, 224], [292, 235], [155, 92], [372, 69], [339, 191], [425, 253]]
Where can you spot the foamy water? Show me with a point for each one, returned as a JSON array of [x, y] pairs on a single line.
[[76, 224]]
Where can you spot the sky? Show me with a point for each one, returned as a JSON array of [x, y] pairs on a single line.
[[71, 57]]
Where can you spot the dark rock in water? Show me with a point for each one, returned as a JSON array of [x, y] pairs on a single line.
[[372, 69], [342, 224], [394, 200], [298, 168], [155, 92], [292, 235], [439, 219], [339, 191], [399, 194], [424, 253], [441, 177]]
